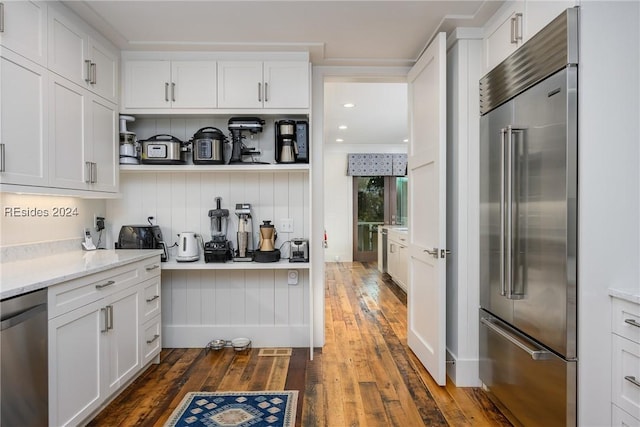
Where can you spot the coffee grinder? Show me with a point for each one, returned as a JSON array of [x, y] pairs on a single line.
[[245, 233], [267, 251], [219, 249]]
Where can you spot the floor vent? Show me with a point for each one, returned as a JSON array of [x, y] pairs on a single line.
[[275, 352]]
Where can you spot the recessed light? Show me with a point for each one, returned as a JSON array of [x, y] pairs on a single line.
[[342, 127], [348, 105], [339, 140], [405, 140]]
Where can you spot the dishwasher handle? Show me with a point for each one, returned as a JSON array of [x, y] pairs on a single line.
[[22, 316]]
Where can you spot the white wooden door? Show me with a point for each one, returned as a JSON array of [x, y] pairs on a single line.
[[25, 24], [426, 296], [23, 121], [104, 80], [101, 144], [147, 84], [194, 84], [286, 84], [67, 48], [240, 84]]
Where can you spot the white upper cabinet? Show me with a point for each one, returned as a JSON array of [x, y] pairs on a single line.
[[23, 121], [272, 85], [169, 84], [81, 58], [24, 29], [514, 24]]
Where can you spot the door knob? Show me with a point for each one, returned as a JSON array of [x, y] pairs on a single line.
[[433, 252]]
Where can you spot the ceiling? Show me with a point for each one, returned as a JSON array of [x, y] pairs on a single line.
[[334, 33]]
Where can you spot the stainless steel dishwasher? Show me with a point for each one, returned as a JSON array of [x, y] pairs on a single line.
[[24, 391]]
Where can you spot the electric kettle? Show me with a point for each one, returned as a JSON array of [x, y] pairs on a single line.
[[188, 247]]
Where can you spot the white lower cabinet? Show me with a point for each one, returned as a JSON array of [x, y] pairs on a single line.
[[96, 345], [625, 362], [398, 257]]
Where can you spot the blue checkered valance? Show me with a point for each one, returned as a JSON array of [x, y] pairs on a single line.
[[377, 164]]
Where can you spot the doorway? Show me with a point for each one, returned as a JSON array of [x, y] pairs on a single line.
[[377, 200]]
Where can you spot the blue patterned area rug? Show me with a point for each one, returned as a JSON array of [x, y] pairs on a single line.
[[236, 409]]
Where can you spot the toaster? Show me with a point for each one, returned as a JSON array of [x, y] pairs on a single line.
[[142, 237], [299, 250]]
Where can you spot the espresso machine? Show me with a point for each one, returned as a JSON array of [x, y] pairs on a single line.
[[239, 151], [245, 233], [129, 147], [267, 251], [219, 249], [292, 141]]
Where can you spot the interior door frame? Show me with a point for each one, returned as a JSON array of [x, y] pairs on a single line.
[[390, 207]]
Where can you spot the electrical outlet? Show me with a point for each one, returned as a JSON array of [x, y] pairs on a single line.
[[98, 222], [292, 277], [286, 225]]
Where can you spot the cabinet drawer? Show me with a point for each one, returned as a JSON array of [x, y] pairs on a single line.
[[150, 267], [619, 418], [84, 290], [151, 343], [151, 300], [626, 375], [626, 319]]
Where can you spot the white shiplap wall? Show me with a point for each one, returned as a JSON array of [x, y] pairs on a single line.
[[200, 305]]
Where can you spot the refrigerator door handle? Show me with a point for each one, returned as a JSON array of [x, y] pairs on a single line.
[[535, 352], [510, 293], [503, 231]]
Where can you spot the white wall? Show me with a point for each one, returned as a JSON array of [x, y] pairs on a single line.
[[48, 218], [609, 183]]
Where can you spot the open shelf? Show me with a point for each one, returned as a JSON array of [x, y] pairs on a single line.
[[249, 167], [283, 264]]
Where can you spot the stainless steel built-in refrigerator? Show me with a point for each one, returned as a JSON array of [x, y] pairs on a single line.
[[528, 218]]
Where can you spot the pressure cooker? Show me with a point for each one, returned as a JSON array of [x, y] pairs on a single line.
[[164, 149], [208, 146]]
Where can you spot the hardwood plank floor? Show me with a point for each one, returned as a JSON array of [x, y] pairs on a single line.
[[365, 375]]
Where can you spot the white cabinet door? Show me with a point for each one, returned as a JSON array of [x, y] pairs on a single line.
[[75, 357], [24, 89], [147, 84], [103, 71], [240, 84], [101, 144], [403, 266], [67, 125], [504, 35], [426, 295], [286, 84], [25, 29], [67, 47], [123, 317], [151, 339], [193, 84], [392, 258]]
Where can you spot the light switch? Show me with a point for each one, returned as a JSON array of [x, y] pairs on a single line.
[[286, 225]]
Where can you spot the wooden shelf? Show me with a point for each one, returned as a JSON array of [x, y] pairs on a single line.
[[293, 167], [283, 264]]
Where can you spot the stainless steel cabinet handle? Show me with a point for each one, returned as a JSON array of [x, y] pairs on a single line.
[[632, 322], [266, 92], [103, 311], [259, 92], [516, 28], [2, 158], [87, 64], [166, 92], [1, 17], [535, 353], [94, 172], [152, 267], [104, 285], [93, 73], [173, 92], [155, 337], [153, 298], [110, 317], [632, 380], [88, 171]]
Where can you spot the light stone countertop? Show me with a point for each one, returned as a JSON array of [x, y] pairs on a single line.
[[22, 276], [627, 294]]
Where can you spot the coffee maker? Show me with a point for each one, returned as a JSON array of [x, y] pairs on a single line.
[[219, 249], [267, 251], [292, 141], [245, 233]]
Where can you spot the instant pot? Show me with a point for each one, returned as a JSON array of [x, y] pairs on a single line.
[[208, 146]]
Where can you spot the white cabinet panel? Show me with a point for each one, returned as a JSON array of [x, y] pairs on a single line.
[[240, 84], [193, 84], [286, 84], [147, 84], [25, 29], [67, 47], [540, 13], [24, 89], [103, 71], [101, 144], [504, 34]]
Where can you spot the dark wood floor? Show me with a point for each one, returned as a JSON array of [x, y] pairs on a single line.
[[364, 375]]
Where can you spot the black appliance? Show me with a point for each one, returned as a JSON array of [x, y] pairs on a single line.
[[142, 237], [294, 134], [219, 249], [239, 151]]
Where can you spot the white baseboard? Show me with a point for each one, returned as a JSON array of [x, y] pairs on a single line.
[[463, 372], [198, 336]]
